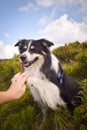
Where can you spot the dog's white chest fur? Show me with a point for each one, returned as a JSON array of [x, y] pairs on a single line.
[[43, 91]]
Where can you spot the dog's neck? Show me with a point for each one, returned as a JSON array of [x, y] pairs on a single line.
[[50, 69]]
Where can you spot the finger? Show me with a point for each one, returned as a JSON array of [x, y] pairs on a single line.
[[25, 73], [23, 87], [19, 76], [24, 77], [16, 76]]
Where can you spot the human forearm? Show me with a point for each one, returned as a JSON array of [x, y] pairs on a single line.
[[5, 97]]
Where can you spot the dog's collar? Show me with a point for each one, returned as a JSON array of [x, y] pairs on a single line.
[[60, 77]]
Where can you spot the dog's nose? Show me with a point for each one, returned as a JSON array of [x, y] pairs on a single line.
[[23, 57]]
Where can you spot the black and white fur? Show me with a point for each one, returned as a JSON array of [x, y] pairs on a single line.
[[48, 82]]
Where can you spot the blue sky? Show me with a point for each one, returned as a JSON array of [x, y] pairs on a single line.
[[60, 21]]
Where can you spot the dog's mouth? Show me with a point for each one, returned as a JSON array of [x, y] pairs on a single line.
[[29, 63]]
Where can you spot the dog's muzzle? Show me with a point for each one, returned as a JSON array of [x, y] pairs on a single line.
[[27, 63]]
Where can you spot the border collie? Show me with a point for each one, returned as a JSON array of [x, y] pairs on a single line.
[[49, 84]]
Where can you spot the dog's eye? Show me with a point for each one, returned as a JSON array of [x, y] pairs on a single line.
[[32, 47], [25, 47]]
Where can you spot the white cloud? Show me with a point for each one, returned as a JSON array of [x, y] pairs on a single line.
[[83, 6], [7, 51], [45, 3], [1, 49], [44, 20], [27, 7], [58, 3], [64, 31], [7, 35], [85, 19]]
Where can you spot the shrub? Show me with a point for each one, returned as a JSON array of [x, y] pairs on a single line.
[[80, 113]]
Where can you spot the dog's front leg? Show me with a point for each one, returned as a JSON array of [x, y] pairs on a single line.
[[36, 88], [45, 92]]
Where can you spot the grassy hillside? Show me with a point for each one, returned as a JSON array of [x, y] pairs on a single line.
[[25, 114]]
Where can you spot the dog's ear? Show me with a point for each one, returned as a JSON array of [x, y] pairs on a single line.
[[46, 42], [17, 44], [20, 42]]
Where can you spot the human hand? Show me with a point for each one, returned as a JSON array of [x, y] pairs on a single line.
[[18, 85]]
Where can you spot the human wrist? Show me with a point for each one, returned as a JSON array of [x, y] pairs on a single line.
[[9, 95], [5, 97]]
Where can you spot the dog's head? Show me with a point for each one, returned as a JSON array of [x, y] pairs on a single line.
[[33, 50]]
